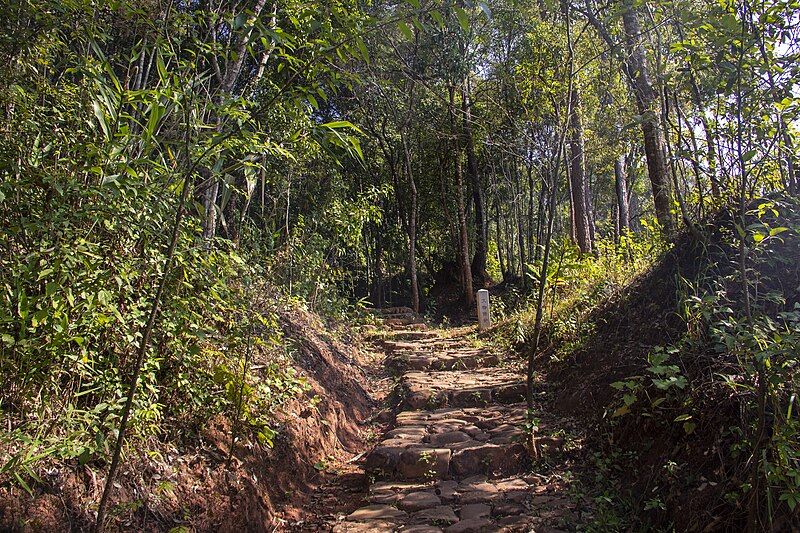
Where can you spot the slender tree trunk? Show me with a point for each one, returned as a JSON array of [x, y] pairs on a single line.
[[530, 235], [573, 234], [412, 227], [209, 194], [537, 254], [621, 187], [587, 193], [519, 219], [577, 177], [498, 235], [481, 233], [466, 268]]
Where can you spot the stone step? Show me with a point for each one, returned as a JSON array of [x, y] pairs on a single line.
[[402, 321], [398, 310], [409, 334], [392, 344], [466, 359], [452, 443], [473, 388], [475, 503]]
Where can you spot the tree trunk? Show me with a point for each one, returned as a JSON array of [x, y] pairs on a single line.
[[638, 72], [209, 194], [519, 219], [498, 234], [481, 233], [540, 214], [412, 228], [530, 235], [466, 268], [621, 187], [577, 175]]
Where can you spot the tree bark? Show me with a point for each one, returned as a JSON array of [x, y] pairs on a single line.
[[577, 175], [412, 227], [637, 69], [621, 187], [498, 236], [481, 233], [466, 268]]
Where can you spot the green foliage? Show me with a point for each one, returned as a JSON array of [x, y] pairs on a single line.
[[575, 285], [95, 155]]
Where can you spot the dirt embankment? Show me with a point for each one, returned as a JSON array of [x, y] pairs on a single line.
[[691, 469], [198, 483]]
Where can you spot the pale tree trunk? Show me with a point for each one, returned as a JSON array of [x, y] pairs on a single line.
[[621, 187], [540, 210], [573, 235], [412, 228], [498, 237], [519, 218], [577, 175]]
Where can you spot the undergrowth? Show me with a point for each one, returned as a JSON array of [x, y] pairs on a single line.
[[723, 394]]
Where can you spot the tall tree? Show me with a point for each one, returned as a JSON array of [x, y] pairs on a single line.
[[578, 182], [636, 67]]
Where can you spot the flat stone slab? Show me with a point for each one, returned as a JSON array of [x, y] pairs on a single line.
[[405, 359], [376, 512], [417, 501], [409, 334], [473, 388], [451, 443], [475, 503]]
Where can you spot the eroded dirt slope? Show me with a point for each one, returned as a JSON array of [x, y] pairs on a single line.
[[197, 483]]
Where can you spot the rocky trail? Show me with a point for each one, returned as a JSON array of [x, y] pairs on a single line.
[[457, 456]]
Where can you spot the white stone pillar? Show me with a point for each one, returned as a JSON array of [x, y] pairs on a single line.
[[484, 318]]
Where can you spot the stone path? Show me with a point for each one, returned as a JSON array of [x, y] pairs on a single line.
[[455, 458]]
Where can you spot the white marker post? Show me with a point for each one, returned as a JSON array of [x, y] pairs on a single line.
[[484, 318]]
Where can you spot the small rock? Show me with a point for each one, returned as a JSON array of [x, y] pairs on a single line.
[[475, 510], [450, 437], [363, 527], [475, 525], [508, 509], [510, 393], [512, 484], [442, 514], [480, 493], [383, 459], [384, 497], [446, 490], [422, 528], [376, 512], [471, 398], [417, 501]]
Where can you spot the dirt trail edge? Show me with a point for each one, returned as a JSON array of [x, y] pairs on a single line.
[[455, 458]]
